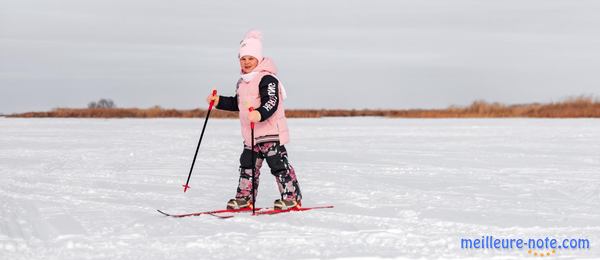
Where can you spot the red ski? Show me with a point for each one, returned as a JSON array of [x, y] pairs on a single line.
[[277, 211], [212, 213], [259, 211]]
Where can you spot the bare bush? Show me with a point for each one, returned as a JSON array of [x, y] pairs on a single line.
[[102, 104]]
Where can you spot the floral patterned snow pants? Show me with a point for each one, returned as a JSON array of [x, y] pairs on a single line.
[[277, 159]]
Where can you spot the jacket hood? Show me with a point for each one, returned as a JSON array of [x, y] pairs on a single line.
[[266, 65]]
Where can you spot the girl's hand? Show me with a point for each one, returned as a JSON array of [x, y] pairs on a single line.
[[212, 98], [254, 116]]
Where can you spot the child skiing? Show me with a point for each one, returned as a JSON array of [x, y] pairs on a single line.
[[259, 88]]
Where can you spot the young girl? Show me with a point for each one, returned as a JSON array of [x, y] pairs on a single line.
[[259, 88]]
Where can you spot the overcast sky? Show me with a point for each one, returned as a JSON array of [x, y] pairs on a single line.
[[331, 54]]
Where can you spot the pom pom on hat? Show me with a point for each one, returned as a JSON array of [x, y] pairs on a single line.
[[253, 34], [251, 45]]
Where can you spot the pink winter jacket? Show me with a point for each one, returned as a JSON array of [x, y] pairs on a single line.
[[275, 127]]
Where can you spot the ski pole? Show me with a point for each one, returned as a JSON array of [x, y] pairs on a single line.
[[253, 164], [212, 102]]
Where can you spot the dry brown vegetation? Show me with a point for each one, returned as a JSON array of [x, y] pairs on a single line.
[[569, 108]]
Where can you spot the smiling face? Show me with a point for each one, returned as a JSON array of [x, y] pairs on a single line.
[[248, 63]]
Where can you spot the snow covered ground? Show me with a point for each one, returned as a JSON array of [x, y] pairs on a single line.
[[88, 189]]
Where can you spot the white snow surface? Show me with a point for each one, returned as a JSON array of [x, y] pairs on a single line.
[[402, 188]]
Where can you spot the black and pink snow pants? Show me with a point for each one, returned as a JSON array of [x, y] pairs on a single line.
[[277, 159]]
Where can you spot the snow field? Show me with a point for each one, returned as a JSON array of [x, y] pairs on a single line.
[[88, 188]]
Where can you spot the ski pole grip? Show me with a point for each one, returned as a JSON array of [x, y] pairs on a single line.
[[212, 102], [251, 123]]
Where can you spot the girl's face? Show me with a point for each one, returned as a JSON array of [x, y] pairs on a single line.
[[248, 63]]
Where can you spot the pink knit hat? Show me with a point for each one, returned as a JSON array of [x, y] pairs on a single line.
[[252, 45]]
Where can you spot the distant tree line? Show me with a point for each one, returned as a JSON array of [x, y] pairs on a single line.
[[574, 107], [102, 103]]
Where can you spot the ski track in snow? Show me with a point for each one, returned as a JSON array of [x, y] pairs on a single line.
[[88, 188]]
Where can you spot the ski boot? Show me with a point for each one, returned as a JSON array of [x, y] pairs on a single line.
[[239, 203], [281, 204]]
